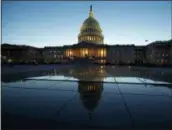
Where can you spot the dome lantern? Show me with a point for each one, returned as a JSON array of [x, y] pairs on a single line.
[[91, 14]]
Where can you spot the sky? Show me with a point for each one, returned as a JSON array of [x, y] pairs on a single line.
[[57, 23]]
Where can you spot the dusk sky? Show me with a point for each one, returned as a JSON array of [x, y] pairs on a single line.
[[57, 23]]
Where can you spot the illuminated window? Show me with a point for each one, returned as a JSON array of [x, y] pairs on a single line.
[[70, 52], [101, 53], [87, 37], [86, 51]]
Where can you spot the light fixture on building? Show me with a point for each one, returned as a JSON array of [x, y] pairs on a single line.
[[9, 60], [70, 52]]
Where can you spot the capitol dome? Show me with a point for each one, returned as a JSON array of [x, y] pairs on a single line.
[[90, 30]]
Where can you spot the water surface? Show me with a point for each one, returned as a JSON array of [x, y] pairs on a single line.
[[87, 97]]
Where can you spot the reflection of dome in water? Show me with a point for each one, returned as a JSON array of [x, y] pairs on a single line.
[[90, 30], [90, 94], [90, 100]]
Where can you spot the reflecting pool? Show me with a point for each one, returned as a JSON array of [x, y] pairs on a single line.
[[87, 97]]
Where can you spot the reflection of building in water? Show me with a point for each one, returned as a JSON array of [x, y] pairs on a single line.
[[94, 73], [90, 94], [98, 73]]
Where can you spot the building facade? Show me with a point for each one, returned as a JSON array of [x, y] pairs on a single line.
[[120, 54], [159, 53], [140, 55]]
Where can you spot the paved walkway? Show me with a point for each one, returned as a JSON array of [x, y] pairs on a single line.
[[60, 104]]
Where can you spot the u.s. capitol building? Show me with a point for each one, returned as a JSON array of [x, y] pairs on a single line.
[[91, 48]]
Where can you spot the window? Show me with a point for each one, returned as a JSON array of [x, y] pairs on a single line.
[[87, 37]]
